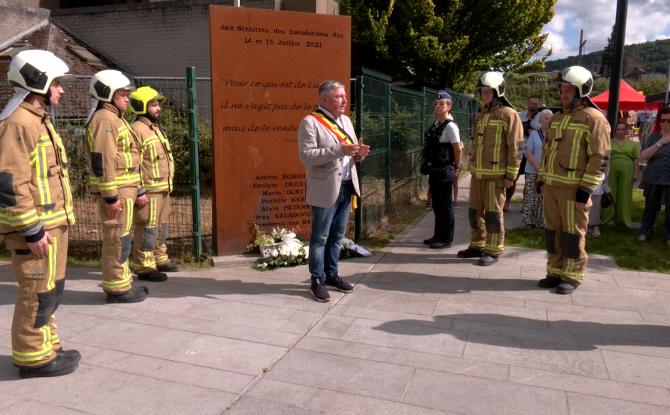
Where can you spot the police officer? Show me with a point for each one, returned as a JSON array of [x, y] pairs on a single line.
[[150, 258], [35, 212], [440, 157], [114, 163], [498, 135], [572, 166]]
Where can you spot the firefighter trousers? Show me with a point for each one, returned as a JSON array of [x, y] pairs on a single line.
[[485, 214], [41, 283], [564, 234], [117, 243], [151, 233]]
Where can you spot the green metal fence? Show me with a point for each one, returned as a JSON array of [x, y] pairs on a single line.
[[393, 120], [183, 127]]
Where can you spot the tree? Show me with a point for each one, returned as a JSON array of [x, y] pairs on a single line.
[[607, 57], [441, 42]]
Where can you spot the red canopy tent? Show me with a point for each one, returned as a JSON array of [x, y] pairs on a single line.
[[629, 99]]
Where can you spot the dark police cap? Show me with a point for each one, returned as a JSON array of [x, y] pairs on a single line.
[[442, 94]]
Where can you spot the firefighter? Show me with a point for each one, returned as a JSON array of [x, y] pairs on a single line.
[[498, 135], [150, 258], [573, 158], [35, 212], [114, 164]]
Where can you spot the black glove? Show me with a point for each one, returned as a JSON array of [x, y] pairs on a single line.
[[538, 187], [582, 196]]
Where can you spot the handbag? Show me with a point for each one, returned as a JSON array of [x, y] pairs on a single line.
[[606, 200]]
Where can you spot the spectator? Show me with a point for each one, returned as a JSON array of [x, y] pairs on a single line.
[[656, 177], [623, 172], [531, 212], [526, 120], [595, 211]]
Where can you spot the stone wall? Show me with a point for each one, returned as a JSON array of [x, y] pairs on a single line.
[[150, 39]]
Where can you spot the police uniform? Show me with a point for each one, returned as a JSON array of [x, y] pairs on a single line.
[[573, 156], [151, 221], [438, 162]]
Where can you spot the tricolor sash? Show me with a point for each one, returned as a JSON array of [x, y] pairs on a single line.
[[331, 126]]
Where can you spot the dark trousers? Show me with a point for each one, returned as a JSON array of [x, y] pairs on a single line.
[[443, 207], [654, 196]]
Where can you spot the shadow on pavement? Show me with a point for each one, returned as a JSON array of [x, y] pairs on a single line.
[[424, 283], [540, 334]]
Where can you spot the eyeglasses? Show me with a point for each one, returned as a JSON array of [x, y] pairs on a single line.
[[665, 120]]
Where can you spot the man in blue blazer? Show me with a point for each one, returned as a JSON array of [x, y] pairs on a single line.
[[329, 149]]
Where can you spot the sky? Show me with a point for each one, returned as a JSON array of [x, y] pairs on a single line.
[[647, 20]]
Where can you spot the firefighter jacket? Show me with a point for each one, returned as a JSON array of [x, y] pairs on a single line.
[[157, 163], [575, 149], [114, 153], [34, 184], [497, 138]]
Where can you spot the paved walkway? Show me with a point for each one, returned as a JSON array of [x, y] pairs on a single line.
[[423, 333]]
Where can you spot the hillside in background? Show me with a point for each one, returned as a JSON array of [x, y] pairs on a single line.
[[653, 57]]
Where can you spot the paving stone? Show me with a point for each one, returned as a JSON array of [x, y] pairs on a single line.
[[455, 393], [331, 326], [643, 370], [405, 335], [644, 282], [592, 405], [253, 406], [282, 392], [102, 391], [591, 386], [411, 358], [362, 377], [577, 310], [343, 403], [535, 355], [28, 407], [491, 313]]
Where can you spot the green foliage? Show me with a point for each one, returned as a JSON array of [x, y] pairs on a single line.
[[441, 42], [607, 57], [616, 241], [174, 122], [653, 57]]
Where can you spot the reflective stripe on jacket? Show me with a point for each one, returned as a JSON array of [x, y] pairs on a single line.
[[498, 136], [34, 183], [113, 152], [157, 163], [575, 149]]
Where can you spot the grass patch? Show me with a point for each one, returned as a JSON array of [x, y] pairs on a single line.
[[616, 241], [391, 229]]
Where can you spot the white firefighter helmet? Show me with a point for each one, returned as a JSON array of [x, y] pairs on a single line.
[[105, 83], [493, 80], [579, 77], [35, 69], [141, 97]]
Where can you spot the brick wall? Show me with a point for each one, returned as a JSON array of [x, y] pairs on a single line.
[[149, 39]]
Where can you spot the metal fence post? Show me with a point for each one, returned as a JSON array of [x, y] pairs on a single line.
[[195, 161], [358, 216], [387, 131]]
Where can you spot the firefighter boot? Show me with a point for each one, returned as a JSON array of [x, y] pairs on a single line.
[[64, 363], [168, 267], [153, 276], [134, 295]]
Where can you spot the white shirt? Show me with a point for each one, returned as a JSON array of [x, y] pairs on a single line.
[[346, 160], [450, 133]]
